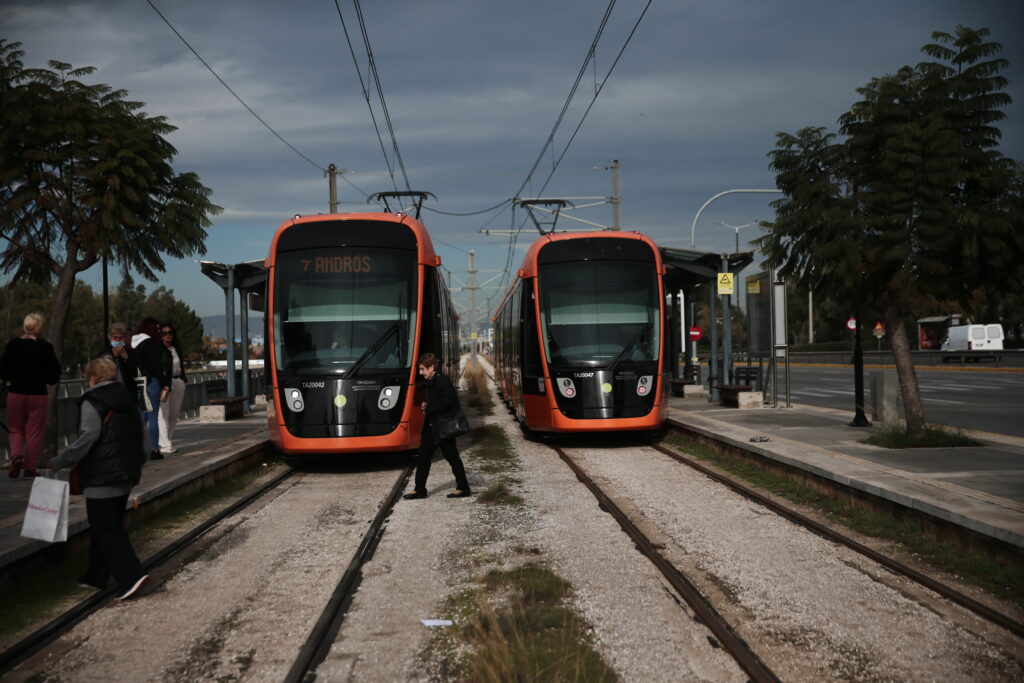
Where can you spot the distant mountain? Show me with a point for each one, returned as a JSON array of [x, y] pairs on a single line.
[[216, 325]]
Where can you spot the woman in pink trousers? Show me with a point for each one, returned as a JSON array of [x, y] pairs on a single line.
[[28, 365]]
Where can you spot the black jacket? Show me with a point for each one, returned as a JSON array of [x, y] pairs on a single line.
[[29, 365], [118, 456], [442, 399], [155, 360]]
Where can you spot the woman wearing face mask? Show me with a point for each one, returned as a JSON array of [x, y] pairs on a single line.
[[119, 350]]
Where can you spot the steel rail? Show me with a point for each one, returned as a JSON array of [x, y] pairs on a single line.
[[321, 637], [709, 616], [951, 594], [46, 634]]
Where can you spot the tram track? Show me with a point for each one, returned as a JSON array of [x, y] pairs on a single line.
[[722, 630], [321, 637], [726, 634], [55, 628], [322, 634], [948, 592]]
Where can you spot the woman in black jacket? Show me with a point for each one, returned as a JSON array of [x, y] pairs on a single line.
[[155, 363], [109, 454], [442, 401]]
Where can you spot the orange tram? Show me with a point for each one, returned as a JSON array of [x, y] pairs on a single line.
[[352, 301], [580, 335]]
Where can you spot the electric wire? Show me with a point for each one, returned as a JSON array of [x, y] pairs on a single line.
[[380, 92], [597, 92], [236, 95], [598, 88], [366, 94], [470, 213]]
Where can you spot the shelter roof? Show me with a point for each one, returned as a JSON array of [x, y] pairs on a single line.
[[686, 268]]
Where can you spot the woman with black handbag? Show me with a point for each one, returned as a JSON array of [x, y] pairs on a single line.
[[441, 409]]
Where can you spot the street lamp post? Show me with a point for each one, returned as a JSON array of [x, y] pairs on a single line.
[[737, 228]]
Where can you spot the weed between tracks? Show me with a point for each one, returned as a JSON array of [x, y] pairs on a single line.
[[479, 394], [1003, 581], [516, 627], [48, 590], [515, 624]]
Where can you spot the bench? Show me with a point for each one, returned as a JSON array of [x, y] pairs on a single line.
[[222, 409], [740, 396], [685, 387]]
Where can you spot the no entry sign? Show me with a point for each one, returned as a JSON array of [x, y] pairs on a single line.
[[695, 333]]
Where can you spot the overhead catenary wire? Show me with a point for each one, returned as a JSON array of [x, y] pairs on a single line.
[[597, 91], [366, 94], [230, 90]]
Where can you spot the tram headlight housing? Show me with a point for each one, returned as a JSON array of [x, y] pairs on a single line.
[[387, 398], [566, 387], [294, 400], [644, 385]]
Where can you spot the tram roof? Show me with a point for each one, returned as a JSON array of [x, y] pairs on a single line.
[[425, 246], [686, 268]]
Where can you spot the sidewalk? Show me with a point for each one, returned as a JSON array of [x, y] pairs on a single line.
[[202, 448], [980, 488]]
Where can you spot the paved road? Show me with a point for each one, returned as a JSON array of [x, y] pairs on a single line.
[[985, 401]]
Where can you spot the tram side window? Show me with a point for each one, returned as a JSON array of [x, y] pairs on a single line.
[[431, 338], [531, 351]]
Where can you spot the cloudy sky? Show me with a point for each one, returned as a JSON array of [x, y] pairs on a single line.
[[474, 89]]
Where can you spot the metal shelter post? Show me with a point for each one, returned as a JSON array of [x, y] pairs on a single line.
[[243, 277]]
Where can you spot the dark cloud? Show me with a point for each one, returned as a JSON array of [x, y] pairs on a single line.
[[474, 87]]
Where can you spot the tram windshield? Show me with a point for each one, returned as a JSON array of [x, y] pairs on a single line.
[[344, 311], [600, 313]]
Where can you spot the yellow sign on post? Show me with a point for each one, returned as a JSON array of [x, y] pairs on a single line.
[[725, 281]]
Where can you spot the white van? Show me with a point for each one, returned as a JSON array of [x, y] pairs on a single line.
[[974, 338]]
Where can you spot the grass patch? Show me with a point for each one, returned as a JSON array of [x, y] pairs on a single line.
[[479, 394], [50, 589], [516, 627], [492, 451], [935, 436], [498, 494], [1002, 581]]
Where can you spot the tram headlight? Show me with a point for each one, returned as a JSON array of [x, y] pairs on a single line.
[[293, 399], [566, 387], [388, 398], [644, 385]]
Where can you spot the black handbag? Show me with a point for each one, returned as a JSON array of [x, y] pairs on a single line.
[[449, 427]]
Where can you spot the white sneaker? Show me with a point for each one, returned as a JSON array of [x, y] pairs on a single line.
[[134, 588]]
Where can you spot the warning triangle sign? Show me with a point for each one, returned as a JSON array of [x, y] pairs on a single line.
[[725, 283]]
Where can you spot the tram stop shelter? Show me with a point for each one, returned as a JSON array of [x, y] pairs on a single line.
[[250, 279], [686, 270]]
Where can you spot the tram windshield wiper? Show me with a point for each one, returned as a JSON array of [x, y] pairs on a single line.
[[629, 347], [374, 347]]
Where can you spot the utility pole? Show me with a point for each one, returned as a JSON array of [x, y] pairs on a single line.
[[472, 304], [332, 184], [616, 199]]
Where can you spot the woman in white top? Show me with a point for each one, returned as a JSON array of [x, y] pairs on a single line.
[[170, 407]]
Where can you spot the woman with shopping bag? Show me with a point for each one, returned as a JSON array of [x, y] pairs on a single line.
[[109, 453], [441, 407]]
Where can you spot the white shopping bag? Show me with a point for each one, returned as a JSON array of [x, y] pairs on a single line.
[[46, 517]]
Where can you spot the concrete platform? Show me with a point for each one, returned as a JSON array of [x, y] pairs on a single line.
[[980, 488], [977, 488]]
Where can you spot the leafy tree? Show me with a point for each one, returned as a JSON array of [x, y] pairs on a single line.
[[128, 302], [162, 305], [85, 173], [915, 204]]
